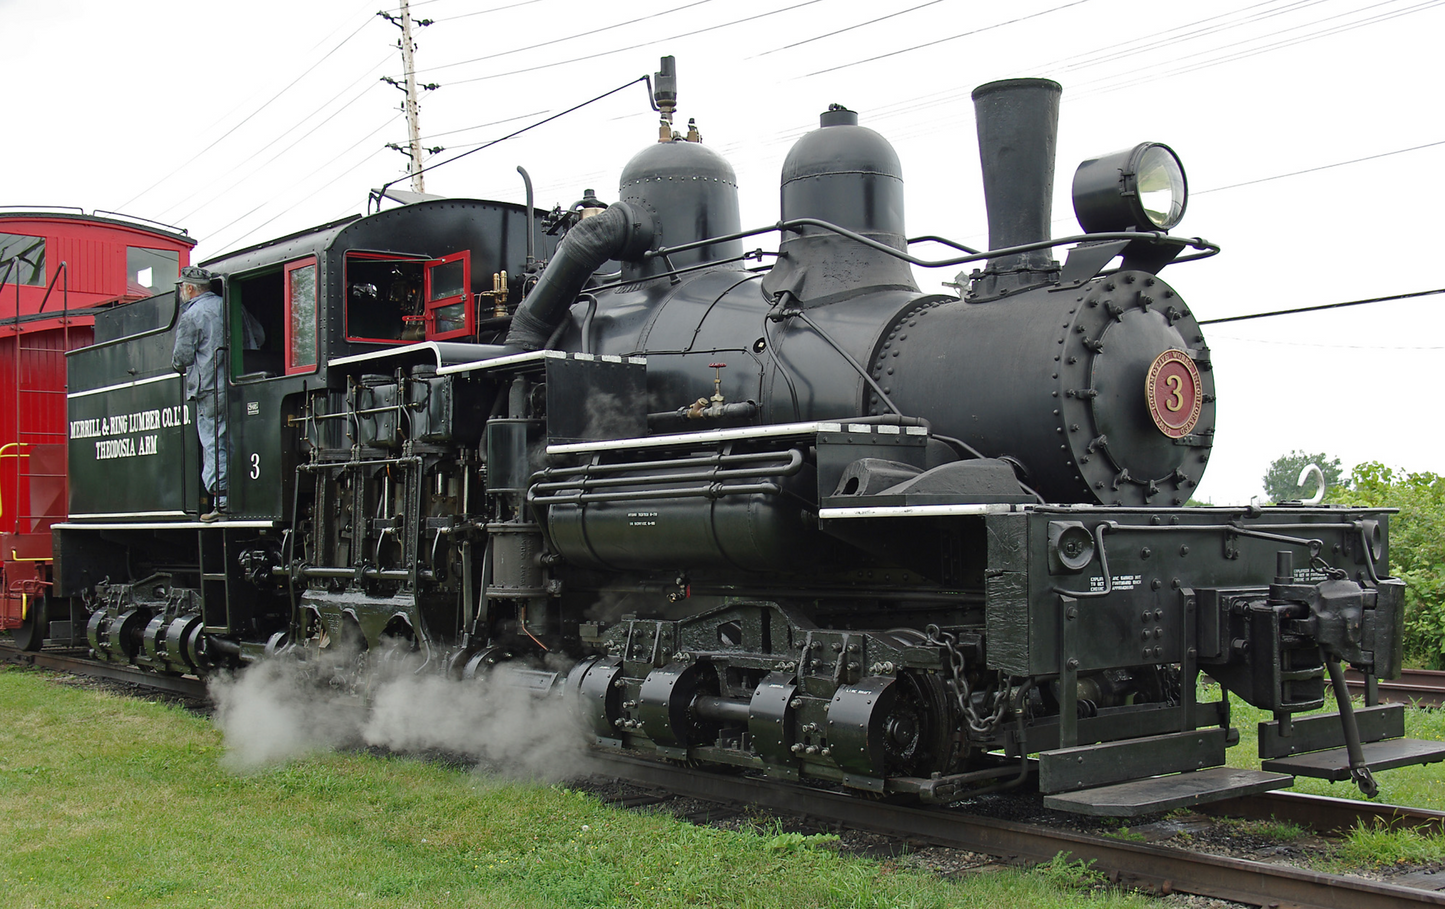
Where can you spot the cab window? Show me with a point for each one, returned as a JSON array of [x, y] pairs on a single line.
[[301, 316], [384, 297], [449, 311]]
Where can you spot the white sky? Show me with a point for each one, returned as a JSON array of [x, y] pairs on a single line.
[[242, 122]]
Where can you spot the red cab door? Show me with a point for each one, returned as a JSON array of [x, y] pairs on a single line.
[[447, 285]]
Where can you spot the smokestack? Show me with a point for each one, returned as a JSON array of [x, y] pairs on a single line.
[[1018, 123]]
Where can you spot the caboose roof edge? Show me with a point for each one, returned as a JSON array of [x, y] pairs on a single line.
[[111, 218]]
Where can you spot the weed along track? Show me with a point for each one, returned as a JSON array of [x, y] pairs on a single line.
[[1152, 868], [1011, 829]]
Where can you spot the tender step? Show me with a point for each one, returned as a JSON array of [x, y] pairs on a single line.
[[1165, 793], [1334, 764]]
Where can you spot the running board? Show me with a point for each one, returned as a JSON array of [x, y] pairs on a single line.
[[1334, 765], [1165, 793]]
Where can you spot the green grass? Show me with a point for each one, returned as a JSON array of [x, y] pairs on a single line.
[[1418, 786], [109, 801]]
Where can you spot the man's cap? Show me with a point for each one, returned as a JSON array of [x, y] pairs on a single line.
[[197, 276]]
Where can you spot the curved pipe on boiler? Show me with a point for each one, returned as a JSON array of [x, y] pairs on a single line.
[[620, 233]]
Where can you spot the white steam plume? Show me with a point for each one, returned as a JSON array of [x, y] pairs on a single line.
[[280, 709]]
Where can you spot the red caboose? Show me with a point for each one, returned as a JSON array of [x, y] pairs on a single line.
[[57, 267]]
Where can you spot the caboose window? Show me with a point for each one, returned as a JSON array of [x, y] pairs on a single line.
[[22, 260], [301, 316], [149, 271]]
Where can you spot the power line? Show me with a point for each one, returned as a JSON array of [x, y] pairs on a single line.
[[1279, 343], [586, 34], [1181, 33], [1290, 312], [318, 189], [480, 12], [1154, 73], [264, 164], [966, 34], [467, 129], [619, 50], [1310, 170], [526, 128], [842, 30], [289, 85], [302, 122], [290, 202]]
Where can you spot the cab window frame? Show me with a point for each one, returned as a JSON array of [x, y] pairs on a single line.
[[464, 298], [294, 366], [375, 257]]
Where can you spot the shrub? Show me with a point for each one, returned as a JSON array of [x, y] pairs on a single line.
[[1417, 548]]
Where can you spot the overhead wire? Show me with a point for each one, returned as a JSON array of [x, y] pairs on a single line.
[[971, 32], [289, 201], [931, 100], [282, 148], [1277, 342], [228, 133], [483, 12], [1311, 170], [587, 34], [524, 129], [1302, 309], [650, 43], [1144, 74], [557, 41], [467, 129], [849, 28], [1179, 34]]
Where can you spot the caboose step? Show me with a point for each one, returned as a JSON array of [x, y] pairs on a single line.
[[1334, 765], [1165, 793]]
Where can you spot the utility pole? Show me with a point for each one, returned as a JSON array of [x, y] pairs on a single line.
[[413, 149]]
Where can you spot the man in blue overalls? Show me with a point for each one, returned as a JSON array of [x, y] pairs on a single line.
[[200, 337]]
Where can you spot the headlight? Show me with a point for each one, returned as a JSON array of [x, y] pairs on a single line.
[[1142, 188]]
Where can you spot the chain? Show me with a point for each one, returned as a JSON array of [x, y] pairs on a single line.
[[1319, 564], [957, 682]]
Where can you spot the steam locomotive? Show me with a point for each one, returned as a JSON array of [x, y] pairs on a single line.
[[796, 517]]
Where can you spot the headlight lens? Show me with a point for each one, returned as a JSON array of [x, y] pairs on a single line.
[[1142, 188], [1160, 181]]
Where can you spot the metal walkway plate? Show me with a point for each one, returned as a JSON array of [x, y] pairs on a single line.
[[1334, 765], [1165, 793]]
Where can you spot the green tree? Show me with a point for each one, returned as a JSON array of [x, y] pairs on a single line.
[[1281, 480], [1417, 549]]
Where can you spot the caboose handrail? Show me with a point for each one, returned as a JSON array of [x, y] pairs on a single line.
[[50, 288]]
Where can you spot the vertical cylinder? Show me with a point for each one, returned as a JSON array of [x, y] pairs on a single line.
[[1018, 122]]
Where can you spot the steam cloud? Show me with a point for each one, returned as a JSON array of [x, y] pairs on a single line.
[[280, 709]]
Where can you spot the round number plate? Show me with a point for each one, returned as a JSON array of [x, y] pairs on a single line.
[[1175, 393]]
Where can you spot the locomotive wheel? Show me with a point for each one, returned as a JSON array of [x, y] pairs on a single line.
[[917, 739], [33, 628], [888, 726]]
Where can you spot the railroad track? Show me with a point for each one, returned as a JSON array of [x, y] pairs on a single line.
[[72, 661], [1418, 687], [1144, 866]]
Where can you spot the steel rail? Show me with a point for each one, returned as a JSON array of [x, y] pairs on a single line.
[[1326, 813], [184, 686], [1417, 687], [1142, 866]]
